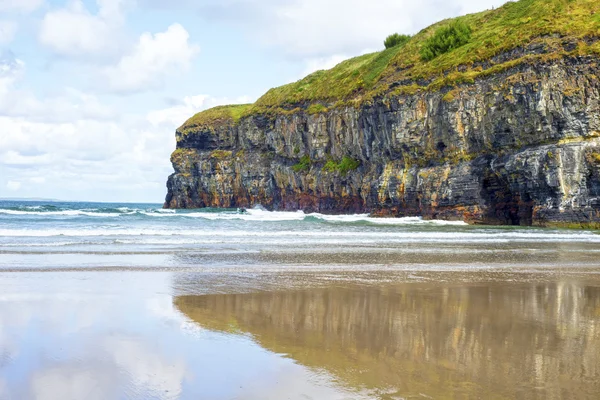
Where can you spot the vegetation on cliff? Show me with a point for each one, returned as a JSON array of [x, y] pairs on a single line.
[[447, 53], [446, 39], [395, 39], [222, 115], [344, 166], [303, 165]]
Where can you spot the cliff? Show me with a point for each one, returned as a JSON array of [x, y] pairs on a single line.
[[504, 129]]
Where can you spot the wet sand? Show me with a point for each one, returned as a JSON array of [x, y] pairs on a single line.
[[302, 333]]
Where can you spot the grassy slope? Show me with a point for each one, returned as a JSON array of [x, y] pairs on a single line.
[[215, 116], [494, 31]]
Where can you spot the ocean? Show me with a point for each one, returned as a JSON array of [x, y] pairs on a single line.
[[130, 301], [64, 235]]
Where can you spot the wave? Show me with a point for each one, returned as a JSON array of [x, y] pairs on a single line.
[[255, 214], [66, 213], [381, 221], [107, 212]]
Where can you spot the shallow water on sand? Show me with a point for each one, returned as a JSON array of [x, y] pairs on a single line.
[[258, 305], [114, 335]]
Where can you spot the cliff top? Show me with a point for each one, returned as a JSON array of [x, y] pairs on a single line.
[[215, 116], [542, 24]]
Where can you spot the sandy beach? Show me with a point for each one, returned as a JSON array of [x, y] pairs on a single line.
[[331, 335], [131, 302]]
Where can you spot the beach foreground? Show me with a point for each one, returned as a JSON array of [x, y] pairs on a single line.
[[129, 302], [111, 334]]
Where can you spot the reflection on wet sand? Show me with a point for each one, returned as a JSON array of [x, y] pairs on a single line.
[[483, 340]]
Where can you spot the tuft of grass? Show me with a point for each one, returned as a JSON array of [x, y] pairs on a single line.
[[450, 96], [445, 39], [181, 154], [303, 165], [316, 108], [395, 39], [330, 166], [346, 165], [221, 154]]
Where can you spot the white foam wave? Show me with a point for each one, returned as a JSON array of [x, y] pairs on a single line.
[[70, 213], [165, 211], [259, 215], [384, 221], [255, 214]]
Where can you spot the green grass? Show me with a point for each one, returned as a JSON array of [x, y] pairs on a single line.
[[445, 39], [346, 165], [395, 39], [330, 166], [360, 79], [316, 108], [303, 165], [221, 154], [222, 115], [336, 83]]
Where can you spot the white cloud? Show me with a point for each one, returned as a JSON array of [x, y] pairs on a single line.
[[11, 69], [7, 31], [317, 28], [13, 186], [86, 149], [113, 9], [154, 57], [20, 5], [314, 27], [70, 104], [316, 64], [75, 32]]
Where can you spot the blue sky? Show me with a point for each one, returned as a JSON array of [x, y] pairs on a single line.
[[92, 91]]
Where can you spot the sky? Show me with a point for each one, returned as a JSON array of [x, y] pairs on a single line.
[[91, 91]]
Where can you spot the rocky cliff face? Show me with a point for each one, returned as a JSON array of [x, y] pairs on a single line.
[[517, 147]]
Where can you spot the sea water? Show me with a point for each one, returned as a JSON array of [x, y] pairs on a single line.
[[61, 235]]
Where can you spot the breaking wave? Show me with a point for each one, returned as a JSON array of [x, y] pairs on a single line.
[[255, 214]]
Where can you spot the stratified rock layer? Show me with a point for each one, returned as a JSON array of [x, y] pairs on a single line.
[[519, 147]]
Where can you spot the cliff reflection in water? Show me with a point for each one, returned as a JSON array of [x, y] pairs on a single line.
[[497, 340]]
